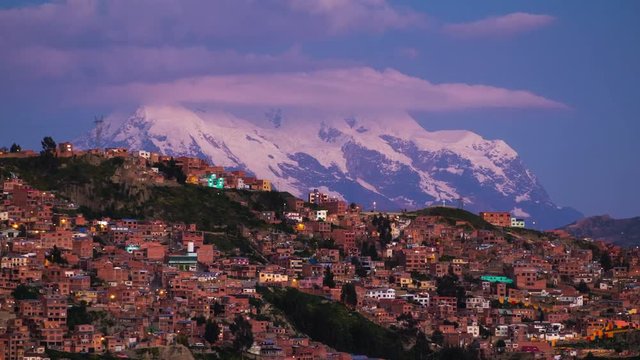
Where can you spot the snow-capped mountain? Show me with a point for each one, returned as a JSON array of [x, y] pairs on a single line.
[[391, 159]]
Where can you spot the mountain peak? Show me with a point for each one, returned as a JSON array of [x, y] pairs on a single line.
[[389, 159]]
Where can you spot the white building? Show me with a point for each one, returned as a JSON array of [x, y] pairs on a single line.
[[381, 293], [10, 233], [144, 154], [478, 303], [422, 298], [316, 197], [241, 185], [473, 329], [517, 223], [293, 216], [575, 301], [502, 331], [319, 215]]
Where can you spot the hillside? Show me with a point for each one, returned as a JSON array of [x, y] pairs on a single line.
[[454, 214], [625, 232], [100, 187], [333, 324]]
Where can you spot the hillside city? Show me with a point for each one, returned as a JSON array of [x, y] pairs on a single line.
[[86, 271]]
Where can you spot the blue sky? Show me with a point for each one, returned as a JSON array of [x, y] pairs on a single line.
[[557, 80]]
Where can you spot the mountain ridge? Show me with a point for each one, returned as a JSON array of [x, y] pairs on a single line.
[[389, 159], [625, 232]]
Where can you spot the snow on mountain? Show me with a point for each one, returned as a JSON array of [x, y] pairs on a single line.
[[389, 159]]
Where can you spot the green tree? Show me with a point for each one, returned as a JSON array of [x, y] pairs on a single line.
[[48, 153], [55, 256], [349, 295], [22, 231], [328, 278], [360, 270], [437, 337], [457, 353], [48, 145], [199, 319], [25, 292], [182, 339], [77, 315], [605, 261], [371, 251], [449, 285], [384, 229], [583, 287], [243, 337], [421, 350], [218, 309], [484, 331], [211, 331], [256, 303], [15, 148], [172, 171]]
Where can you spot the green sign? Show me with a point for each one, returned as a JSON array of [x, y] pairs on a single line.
[[492, 278], [215, 182]]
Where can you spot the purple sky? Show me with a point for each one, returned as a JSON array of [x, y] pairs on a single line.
[[556, 80]]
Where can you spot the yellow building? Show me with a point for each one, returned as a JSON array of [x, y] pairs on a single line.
[[404, 281], [263, 185], [267, 277], [14, 261], [192, 179]]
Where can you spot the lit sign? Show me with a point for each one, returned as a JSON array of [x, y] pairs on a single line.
[[215, 182], [491, 278]]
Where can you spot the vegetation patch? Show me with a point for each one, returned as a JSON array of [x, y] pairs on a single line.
[[454, 214], [333, 324]]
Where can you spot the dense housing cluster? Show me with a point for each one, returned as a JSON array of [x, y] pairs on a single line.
[[80, 284]]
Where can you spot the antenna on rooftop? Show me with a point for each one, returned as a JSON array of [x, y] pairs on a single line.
[[98, 121]]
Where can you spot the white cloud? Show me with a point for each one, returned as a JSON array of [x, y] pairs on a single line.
[[499, 26], [339, 89], [344, 15]]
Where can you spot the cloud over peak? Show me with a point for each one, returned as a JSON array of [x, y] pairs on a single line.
[[499, 26], [346, 89]]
